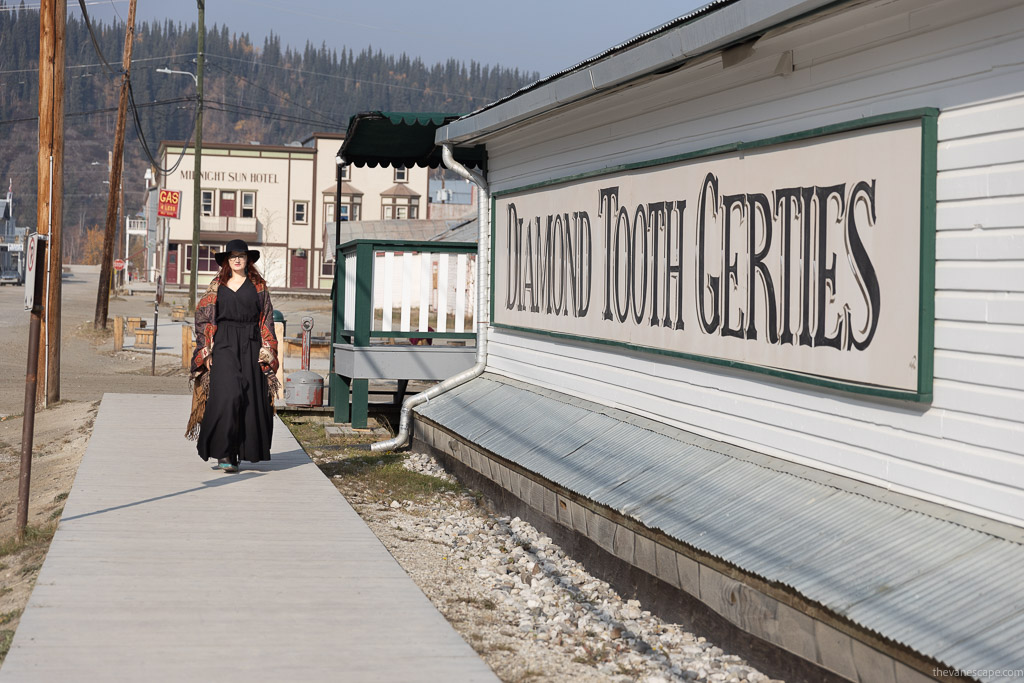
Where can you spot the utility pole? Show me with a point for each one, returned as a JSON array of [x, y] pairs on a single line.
[[103, 291], [49, 200], [197, 176]]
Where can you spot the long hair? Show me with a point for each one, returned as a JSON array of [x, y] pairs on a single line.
[[250, 270]]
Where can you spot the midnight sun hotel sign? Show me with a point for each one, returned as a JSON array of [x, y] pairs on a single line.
[[808, 257]]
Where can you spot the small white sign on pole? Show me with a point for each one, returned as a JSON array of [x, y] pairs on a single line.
[[33, 261]]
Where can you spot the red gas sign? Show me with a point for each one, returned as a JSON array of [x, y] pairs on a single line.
[[170, 200]]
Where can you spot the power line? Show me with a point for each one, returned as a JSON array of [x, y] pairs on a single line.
[[89, 66], [95, 43], [105, 110], [281, 96], [340, 78]]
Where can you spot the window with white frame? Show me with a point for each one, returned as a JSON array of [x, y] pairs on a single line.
[[346, 173], [401, 174], [206, 203], [207, 258], [399, 208], [300, 212], [248, 205], [327, 267], [329, 211]]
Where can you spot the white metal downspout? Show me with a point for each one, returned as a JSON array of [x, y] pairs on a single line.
[[482, 297]]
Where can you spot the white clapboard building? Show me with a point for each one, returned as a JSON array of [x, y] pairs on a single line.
[[756, 327]]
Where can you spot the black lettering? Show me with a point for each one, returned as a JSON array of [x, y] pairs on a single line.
[[827, 274], [806, 197], [729, 269], [656, 220], [785, 201], [529, 283], [864, 270], [512, 276], [585, 273], [608, 206], [622, 298], [757, 205], [706, 282], [676, 270], [635, 257]]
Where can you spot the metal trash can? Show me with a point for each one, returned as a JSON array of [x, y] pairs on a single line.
[[304, 388]]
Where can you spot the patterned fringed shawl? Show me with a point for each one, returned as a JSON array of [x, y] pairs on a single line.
[[206, 328]]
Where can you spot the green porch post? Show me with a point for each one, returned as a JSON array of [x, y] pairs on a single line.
[[364, 324], [339, 386]]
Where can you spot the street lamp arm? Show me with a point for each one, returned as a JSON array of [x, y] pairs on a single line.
[[165, 70]]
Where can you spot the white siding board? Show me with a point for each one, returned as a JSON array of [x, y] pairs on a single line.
[[990, 245], [994, 307], [982, 370], [996, 148], [1004, 404], [981, 119], [966, 447], [996, 340], [974, 183], [1003, 212], [993, 276]]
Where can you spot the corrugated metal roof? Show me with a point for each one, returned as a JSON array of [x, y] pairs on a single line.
[[943, 589]]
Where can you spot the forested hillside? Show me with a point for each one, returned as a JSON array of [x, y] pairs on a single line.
[[270, 93]]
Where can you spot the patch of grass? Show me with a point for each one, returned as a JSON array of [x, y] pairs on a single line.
[[60, 497], [29, 569], [6, 636], [35, 537], [8, 617], [55, 515], [384, 475]]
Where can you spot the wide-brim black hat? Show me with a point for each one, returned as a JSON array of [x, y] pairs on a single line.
[[233, 246]]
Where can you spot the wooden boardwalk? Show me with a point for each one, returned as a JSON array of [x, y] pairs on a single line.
[[163, 569]]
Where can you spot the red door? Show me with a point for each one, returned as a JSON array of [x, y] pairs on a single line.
[[299, 269], [227, 204], [172, 265]]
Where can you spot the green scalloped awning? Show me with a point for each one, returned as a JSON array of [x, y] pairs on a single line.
[[385, 138]]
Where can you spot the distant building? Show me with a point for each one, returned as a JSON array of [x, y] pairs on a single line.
[[12, 240], [281, 200]]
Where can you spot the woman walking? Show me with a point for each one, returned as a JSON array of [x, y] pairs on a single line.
[[234, 363]]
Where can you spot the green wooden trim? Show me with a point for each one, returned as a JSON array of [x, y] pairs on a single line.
[[853, 387], [241, 153], [423, 335], [410, 245], [490, 265], [831, 129], [926, 312], [926, 332], [364, 294]]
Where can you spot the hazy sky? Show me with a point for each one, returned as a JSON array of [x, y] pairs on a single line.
[[534, 35]]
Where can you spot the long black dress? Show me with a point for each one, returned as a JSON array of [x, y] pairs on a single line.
[[238, 422]]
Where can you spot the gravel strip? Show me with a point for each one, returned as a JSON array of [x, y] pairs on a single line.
[[533, 613]]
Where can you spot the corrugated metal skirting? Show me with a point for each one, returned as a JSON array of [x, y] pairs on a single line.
[[946, 591]]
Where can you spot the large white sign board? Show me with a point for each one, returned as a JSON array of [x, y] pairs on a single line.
[[800, 259]]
